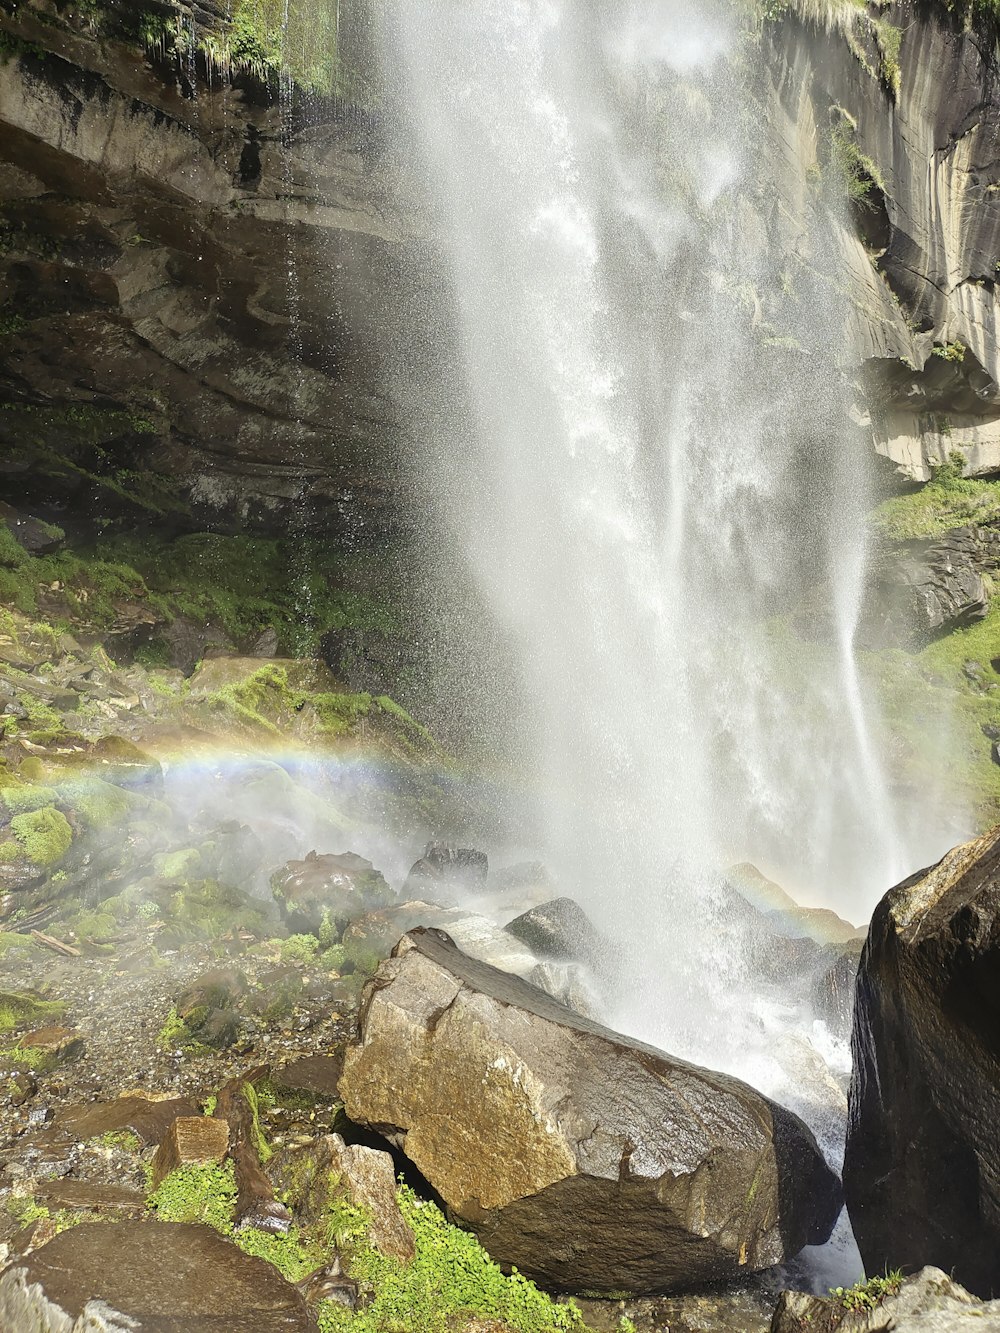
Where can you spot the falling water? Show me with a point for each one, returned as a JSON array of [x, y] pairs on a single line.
[[651, 475]]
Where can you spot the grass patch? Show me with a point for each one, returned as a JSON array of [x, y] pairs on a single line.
[[948, 500], [197, 1194]]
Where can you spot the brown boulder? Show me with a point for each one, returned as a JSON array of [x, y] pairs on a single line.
[[151, 1277], [586, 1159]]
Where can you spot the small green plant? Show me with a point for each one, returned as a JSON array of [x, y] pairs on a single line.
[[870, 1294], [890, 39], [953, 351], [858, 174]]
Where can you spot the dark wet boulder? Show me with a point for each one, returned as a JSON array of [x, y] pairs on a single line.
[[559, 928], [327, 892], [922, 1169], [151, 1277], [927, 1302], [588, 1160], [444, 871]]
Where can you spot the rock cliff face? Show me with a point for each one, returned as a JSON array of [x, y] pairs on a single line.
[[196, 276], [905, 107]]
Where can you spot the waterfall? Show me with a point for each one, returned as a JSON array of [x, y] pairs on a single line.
[[644, 455]]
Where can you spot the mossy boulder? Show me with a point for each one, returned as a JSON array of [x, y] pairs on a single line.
[[44, 835]]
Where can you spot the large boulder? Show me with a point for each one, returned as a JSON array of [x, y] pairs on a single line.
[[922, 1169], [588, 1160], [928, 1302], [164, 1277]]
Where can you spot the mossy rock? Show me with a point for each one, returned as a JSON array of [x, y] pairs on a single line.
[[45, 835], [20, 1009]]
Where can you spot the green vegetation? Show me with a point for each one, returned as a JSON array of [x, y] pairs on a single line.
[[948, 500], [18, 1009], [890, 39], [308, 41], [857, 173], [934, 711], [174, 1032], [197, 1194], [452, 1275], [45, 835], [954, 351], [299, 949], [868, 1295]]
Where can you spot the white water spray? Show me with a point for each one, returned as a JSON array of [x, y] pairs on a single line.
[[657, 489]]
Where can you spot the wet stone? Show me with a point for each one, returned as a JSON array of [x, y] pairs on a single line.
[[149, 1277], [150, 1120], [88, 1196], [318, 1074]]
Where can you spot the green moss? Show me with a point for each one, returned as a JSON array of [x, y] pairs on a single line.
[[299, 949], [21, 1009], [260, 1143], [174, 1032], [45, 835], [338, 714], [451, 1277], [12, 942], [94, 927], [19, 799], [178, 866], [197, 1194], [101, 804]]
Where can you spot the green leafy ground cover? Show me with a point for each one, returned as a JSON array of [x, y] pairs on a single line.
[[452, 1277]]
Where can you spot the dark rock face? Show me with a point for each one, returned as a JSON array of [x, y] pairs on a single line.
[[931, 587], [145, 293], [558, 929], [587, 1160], [328, 890], [927, 1302], [157, 1277], [922, 1170], [444, 866]]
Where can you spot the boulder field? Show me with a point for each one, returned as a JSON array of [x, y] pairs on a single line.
[[585, 1159]]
